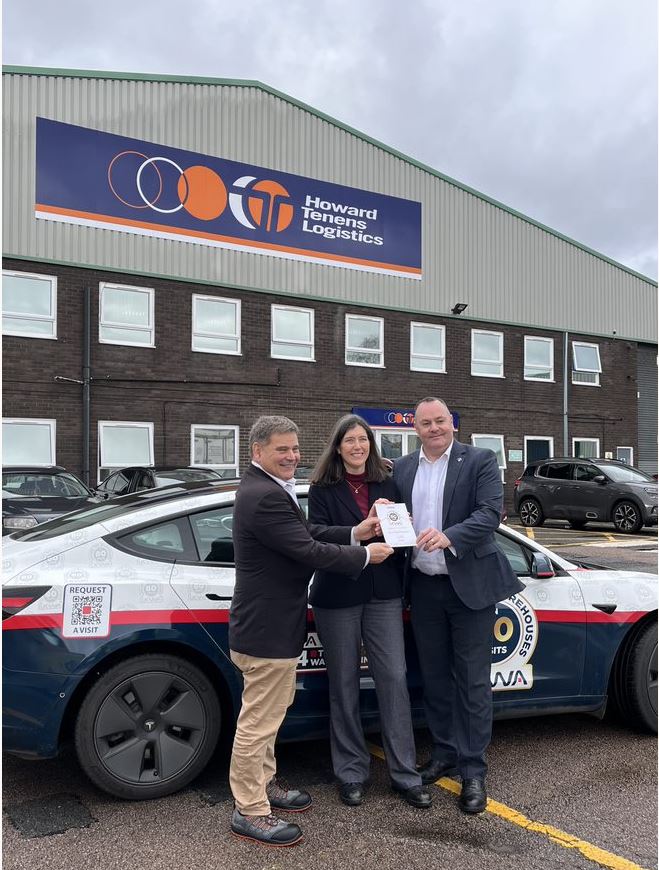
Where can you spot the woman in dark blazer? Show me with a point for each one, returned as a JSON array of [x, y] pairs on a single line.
[[349, 478]]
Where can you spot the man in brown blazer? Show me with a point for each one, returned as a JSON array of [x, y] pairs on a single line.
[[276, 553]]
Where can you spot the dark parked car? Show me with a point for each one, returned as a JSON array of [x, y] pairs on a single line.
[[585, 490], [32, 494], [137, 478]]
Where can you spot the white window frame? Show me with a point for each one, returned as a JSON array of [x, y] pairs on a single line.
[[379, 350], [475, 436], [52, 425], [475, 332], [103, 424], [631, 454], [237, 336], [274, 341], [595, 441], [417, 358], [22, 316], [111, 324], [529, 377], [549, 438], [218, 466], [407, 435], [596, 372]]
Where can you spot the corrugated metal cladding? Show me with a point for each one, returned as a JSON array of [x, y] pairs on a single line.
[[505, 267], [647, 459]]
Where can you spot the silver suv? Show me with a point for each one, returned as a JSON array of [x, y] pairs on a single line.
[[585, 490]]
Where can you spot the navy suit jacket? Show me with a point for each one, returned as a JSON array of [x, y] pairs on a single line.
[[471, 511], [335, 506]]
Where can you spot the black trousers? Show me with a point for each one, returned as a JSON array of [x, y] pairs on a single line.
[[455, 651]]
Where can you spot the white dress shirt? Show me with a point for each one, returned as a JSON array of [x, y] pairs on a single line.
[[427, 501]]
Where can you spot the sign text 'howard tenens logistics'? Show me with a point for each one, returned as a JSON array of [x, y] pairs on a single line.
[[336, 221]]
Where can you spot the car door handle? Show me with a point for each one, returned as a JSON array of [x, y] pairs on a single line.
[[606, 608], [213, 596]]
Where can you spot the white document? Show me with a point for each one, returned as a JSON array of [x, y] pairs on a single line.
[[396, 526]]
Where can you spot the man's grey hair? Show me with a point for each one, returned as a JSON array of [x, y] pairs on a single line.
[[269, 425]]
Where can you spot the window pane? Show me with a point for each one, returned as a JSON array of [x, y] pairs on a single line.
[[166, 537], [586, 358], [214, 446], [434, 363], [363, 333], [215, 316], [26, 444], [538, 353], [427, 340], [371, 359], [125, 306], [585, 449], [212, 534], [485, 368], [125, 445], [26, 295], [391, 445], [537, 448], [291, 325], [205, 342], [491, 443], [300, 350], [487, 346], [135, 336], [36, 327]]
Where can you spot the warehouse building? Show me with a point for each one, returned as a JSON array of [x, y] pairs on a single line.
[[182, 255]]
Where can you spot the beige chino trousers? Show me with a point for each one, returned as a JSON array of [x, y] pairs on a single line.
[[268, 692]]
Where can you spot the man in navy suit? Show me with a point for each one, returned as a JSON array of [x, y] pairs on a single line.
[[455, 577]]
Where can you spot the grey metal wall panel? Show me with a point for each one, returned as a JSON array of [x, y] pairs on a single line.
[[647, 459], [507, 268]]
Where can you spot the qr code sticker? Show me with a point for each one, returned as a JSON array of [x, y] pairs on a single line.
[[87, 610]]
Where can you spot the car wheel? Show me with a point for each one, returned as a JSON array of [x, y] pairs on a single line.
[[634, 681], [627, 517], [147, 727], [530, 512]]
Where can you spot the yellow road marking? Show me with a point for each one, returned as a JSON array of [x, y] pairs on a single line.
[[530, 533], [610, 536], [561, 838]]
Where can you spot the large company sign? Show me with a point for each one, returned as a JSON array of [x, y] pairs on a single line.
[[99, 179], [397, 418]]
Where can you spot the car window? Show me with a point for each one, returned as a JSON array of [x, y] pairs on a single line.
[[556, 470], [143, 481], [212, 534], [585, 472], [116, 483], [625, 474], [515, 553], [163, 541], [62, 485]]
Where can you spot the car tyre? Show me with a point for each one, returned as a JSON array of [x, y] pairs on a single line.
[[530, 513], [147, 727], [627, 517], [634, 680]]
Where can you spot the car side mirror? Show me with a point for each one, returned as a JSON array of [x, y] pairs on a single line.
[[599, 478], [542, 566], [101, 493]]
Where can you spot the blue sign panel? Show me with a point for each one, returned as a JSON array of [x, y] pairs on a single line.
[[100, 179], [394, 418]]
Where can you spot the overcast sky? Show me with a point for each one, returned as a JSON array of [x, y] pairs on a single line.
[[549, 106]]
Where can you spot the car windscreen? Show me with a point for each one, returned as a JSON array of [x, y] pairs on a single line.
[[178, 475], [623, 474], [43, 485]]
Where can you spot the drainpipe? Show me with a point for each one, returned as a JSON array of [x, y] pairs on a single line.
[[566, 451], [86, 379]]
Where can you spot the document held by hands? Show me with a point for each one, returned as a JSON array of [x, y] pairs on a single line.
[[396, 526]]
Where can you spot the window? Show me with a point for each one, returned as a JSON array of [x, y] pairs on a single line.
[[212, 534], [28, 442], [556, 471], [625, 454], [586, 365], [516, 553], [427, 352], [364, 341], [585, 448], [292, 333], [164, 541], [215, 447], [115, 484], [29, 305], [126, 315], [215, 325], [123, 444], [486, 353], [537, 447], [538, 358], [394, 443], [494, 443], [587, 471]]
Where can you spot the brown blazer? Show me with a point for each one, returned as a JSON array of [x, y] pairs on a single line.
[[276, 553]]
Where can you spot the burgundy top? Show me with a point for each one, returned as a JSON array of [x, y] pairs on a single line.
[[359, 490]]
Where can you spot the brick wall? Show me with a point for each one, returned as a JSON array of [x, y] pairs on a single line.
[[174, 387]]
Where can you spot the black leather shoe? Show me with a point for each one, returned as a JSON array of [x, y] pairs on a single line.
[[433, 770], [417, 796], [352, 793], [473, 797]]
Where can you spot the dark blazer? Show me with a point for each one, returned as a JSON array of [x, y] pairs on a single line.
[[335, 505], [473, 500], [276, 552]]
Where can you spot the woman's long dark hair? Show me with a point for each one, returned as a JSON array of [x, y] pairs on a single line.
[[329, 468]]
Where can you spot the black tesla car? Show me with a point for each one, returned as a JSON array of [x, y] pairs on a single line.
[[32, 494]]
